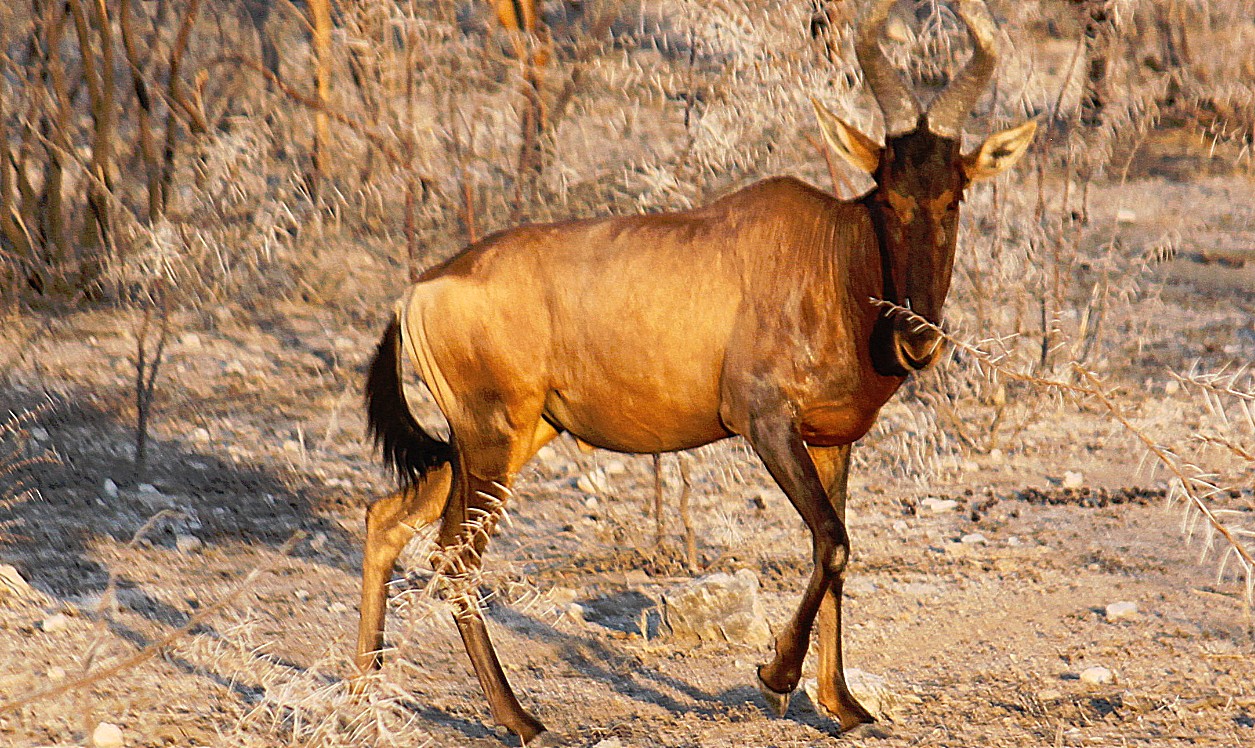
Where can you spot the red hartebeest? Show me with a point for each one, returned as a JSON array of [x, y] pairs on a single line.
[[752, 316]]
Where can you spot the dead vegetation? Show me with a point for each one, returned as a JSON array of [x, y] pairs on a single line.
[[287, 167]]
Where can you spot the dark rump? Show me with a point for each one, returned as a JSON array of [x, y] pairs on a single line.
[[409, 450]]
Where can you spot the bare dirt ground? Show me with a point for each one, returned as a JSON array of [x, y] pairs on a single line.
[[258, 436]]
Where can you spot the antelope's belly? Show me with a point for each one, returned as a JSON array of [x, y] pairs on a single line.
[[635, 421], [835, 424]]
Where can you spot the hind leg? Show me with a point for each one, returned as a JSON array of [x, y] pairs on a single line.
[[390, 523], [480, 491]]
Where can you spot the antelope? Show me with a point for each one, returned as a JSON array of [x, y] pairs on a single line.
[[754, 316]]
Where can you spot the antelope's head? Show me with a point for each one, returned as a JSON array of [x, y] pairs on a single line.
[[920, 176]]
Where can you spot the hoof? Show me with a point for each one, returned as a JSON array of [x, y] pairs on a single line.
[[777, 703]]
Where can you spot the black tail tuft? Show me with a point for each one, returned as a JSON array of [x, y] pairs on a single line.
[[407, 449]]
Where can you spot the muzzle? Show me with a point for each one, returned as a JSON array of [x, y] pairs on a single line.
[[900, 346]]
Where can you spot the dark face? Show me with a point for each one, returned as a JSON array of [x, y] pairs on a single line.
[[920, 183]]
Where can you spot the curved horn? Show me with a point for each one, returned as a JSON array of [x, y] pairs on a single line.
[[896, 101], [948, 111]]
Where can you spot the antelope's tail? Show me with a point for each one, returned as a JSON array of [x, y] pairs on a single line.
[[409, 450]]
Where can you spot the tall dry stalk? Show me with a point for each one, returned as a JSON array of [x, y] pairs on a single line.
[[320, 17]]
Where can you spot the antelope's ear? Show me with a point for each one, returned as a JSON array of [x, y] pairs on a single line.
[[999, 152], [856, 148]]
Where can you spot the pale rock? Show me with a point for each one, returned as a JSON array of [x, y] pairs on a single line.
[[1171, 387], [11, 581], [547, 455], [859, 586], [147, 488], [301, 594], [563, 595], [38, 434], [718, 607], [1073, 479], [318, 542], [939, 506], [338, 608], [1096, 675], [191, 341], [55, 673], [973, 538], [200, 435], [575, 612], [110, 488], [1126, 215], [995, 455], [344, 344], [55, 623], [188, 544], [593, 482], [591, 502], [609, 743], [107, 735], [900, 526], [1125, 610], [870, 690], [615, 467], [234, 367], [1014, 541], [292, 446], [971, 466]]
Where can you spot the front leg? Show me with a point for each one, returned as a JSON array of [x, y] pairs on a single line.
[[785, 455], [833, 465]]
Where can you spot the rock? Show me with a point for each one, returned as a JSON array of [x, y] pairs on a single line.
[[872, 691], [301, 594], [338, 608], [1096, 675], [591, 502], [859, 586], [191, 341], [1124, 610], [1073, 479], [107, 735], [292, 446], [110, 488], [234, 367], [55, 623], [319, 542], [609, 743], [575, 612], [38, 434], [562, 596], [718, 607], [973, 538], [615, 467], [1171, 387], [939, 506], [547, 455], [200, 435], [55, 673], [593, 482], [12, 582], [1126, 215], [995, 455], [188, 544]]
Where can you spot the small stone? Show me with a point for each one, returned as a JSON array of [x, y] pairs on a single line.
[[107, 735], [973, 538], [547, 455], [1014, 541], [609, 743], [318, 542], [188, 544], [591, 502], [575, 612], [900, 526], [995, 455], [1096, 675], [38, 434], [292, 446], [1124, 610], [615, 467], [563, 595], [1171, 387], [55, 673], [338, 608], [859, 586], [234, 367], [718, 607], [147, 488], [11, 581], [55, 623], [191, 341], [1049, 694], [1126, 215], [593, 482], [939, 506], [200, 435], [301, 594], [1073, 479], [110, 488], [344, 344]]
